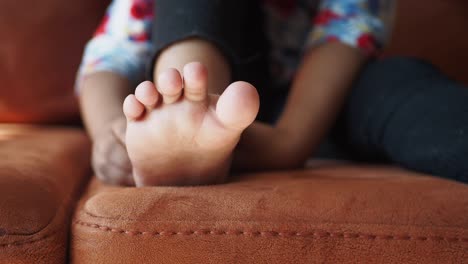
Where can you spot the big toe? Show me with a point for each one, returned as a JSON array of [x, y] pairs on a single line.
[[238, 106]]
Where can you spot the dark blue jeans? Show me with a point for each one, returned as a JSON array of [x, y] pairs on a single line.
[[406, 112]]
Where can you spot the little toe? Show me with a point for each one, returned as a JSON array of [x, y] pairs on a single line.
[[195, 81], [170, 85], [147, 94], [132, 108], [238, 106]]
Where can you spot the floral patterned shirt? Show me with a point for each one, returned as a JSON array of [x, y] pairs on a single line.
[[122, 43]]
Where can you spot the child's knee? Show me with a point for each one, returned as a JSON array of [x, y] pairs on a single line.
[[384, 91], [409, 112]]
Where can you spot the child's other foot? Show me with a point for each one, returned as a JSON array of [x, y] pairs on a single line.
[[177, 134]]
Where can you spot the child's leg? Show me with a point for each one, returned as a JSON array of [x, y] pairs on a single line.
[[222, 35], [176, 132], [405, 111]]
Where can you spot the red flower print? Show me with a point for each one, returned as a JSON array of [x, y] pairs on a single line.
[[324, 17], [366, 42], [141, 9], [143, 37], [102, 27]]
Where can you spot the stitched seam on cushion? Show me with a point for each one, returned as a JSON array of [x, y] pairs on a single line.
[[244, 221], [304, 234], [22, 243]]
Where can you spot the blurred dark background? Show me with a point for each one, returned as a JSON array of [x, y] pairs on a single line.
[[42, 41]]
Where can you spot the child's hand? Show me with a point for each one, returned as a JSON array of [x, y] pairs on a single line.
[[109, 158]]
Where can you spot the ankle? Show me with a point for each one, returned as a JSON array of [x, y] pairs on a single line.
[[196, 49]]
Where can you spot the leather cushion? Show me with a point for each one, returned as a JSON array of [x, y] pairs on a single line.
[[41, 47], [334, 213], [434, 30], [42, 171]]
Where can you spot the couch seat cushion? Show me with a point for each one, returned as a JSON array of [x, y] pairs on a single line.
[[332, 213], [42, 171]]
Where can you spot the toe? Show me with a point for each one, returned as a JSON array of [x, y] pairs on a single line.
[[195, 81], [170, 85], [132, 108], [238, 106], [147, 94]]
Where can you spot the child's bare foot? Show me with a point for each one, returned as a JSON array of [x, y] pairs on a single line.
[[177, 134]]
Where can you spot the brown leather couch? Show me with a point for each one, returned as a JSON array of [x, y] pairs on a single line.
[[331, 213]]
